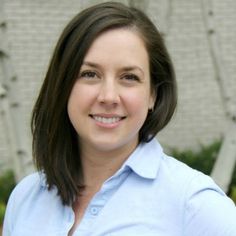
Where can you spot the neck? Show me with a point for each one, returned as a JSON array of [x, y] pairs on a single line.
[[98, 166]]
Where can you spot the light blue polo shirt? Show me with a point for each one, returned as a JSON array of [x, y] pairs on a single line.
[[152, 194]]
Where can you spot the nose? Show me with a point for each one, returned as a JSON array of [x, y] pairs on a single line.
[[108, 94]]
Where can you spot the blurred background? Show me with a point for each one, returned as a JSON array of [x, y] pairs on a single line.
[[201, 38]]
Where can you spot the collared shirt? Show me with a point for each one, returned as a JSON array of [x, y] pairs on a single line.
[[152, 194]]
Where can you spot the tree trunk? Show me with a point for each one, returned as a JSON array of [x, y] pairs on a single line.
[[224, 165], [11, 108]]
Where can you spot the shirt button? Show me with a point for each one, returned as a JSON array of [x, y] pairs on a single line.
[[94, 210]]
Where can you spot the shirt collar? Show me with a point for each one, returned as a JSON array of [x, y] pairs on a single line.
[[145, 160]]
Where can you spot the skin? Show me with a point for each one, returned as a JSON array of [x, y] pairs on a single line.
[[108, 105]]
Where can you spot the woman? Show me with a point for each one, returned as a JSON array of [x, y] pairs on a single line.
[[110, 88]]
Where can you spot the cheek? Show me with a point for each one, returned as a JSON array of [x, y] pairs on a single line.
[[71, 105], [71, 110], [137, 103], [75, 104], [80, 98]]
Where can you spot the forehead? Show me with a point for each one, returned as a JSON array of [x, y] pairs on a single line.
[[122, 45], [122, 35]]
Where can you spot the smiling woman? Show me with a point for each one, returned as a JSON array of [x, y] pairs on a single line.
[[110, 88], [109, 101]]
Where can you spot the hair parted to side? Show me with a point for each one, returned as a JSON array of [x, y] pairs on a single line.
[[55, 142]]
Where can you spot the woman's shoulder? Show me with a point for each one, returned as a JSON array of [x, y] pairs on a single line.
[[28, 183], [207, 208], [187, 181], [181, 173], [31, 179], [171, 172], [28, 188]]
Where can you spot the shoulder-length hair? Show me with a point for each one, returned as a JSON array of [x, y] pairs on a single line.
[[55, 142]]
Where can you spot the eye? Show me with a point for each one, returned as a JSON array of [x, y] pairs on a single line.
[[131, 77], [88, 74]]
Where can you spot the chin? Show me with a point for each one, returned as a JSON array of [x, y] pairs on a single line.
[[107, 146], [112, 145]]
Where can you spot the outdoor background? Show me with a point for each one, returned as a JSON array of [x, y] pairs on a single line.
[[200, 36]]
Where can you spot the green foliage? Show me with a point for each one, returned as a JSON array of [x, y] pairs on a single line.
[[203, 159], [2, 211], [7, 183], [233, 193]]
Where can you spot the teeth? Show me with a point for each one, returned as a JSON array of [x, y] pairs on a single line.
[[106, 120]]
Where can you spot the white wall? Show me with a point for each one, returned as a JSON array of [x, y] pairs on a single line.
[[34, 26]]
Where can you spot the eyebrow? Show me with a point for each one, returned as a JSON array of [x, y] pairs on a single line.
[[92, 64], [125, 68]]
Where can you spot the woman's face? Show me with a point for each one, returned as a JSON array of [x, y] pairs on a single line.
[[110, 99]]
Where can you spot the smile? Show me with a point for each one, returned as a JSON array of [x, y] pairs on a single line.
[[106, 120]]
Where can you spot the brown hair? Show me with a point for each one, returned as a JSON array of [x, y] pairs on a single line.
[[55, 142]]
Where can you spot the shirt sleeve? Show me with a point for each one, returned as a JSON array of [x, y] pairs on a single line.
[[17, 198], [208, 210]]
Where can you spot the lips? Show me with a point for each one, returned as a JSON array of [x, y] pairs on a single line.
[[107, 119]]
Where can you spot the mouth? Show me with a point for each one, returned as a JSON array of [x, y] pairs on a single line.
[[107, 120]]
